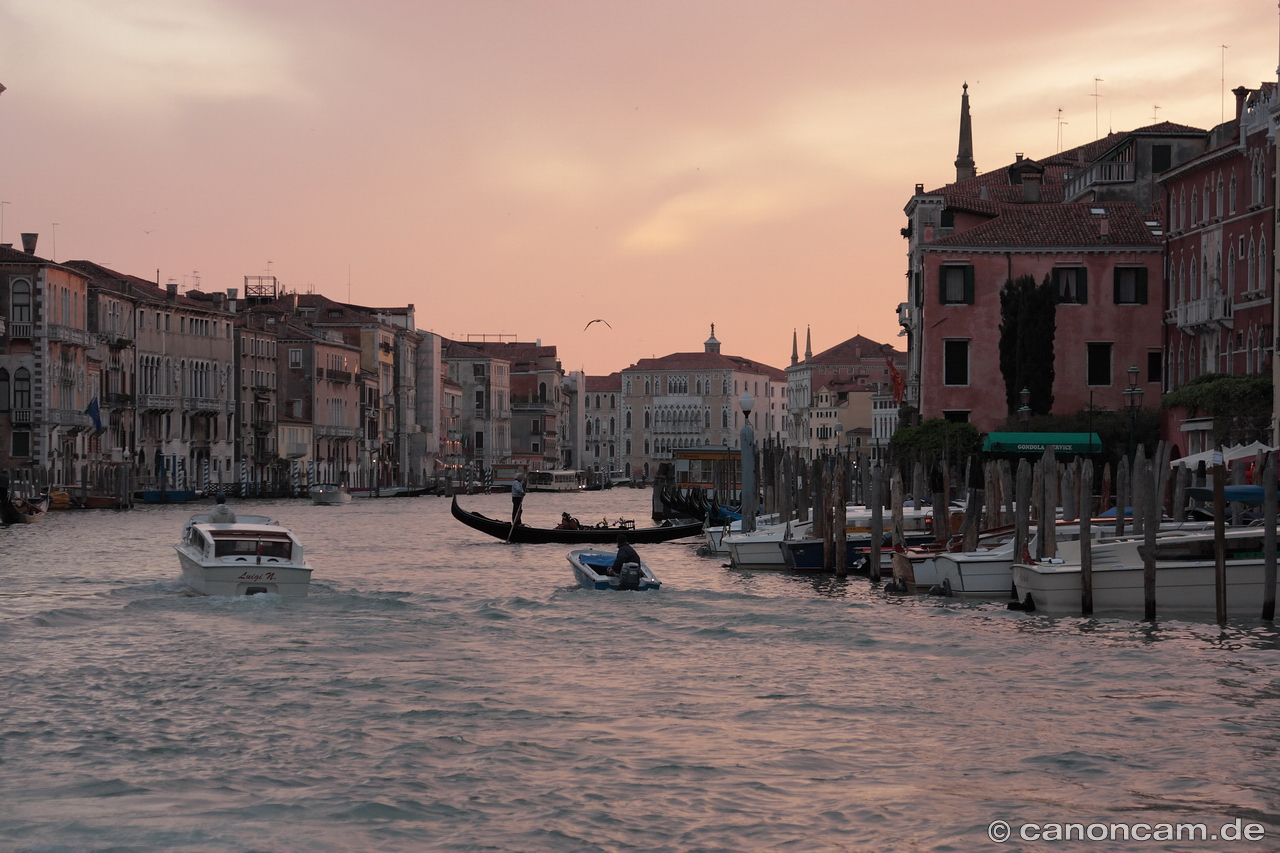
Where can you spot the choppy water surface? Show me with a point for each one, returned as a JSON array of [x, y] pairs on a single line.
[[439, 690]]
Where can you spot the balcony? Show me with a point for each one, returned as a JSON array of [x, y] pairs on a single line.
[[70, 419], [326, 431], [21, 416], [68, 335], [20, 330], [262, 426], [297, 449], [1208, 313], [205, 405], [118, 401], [1098, 173], [157, 401], [344, 376]]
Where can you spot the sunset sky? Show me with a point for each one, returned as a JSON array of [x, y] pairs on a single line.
[[522, 167]]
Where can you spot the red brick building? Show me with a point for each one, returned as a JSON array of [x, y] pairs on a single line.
[[1086, 218]]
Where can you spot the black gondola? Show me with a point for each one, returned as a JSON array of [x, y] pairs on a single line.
[[585, 535]]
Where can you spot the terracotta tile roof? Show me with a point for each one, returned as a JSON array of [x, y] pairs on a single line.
[[1051, 225], [137, 288], [854, 350], [708, 361], [612, 382]]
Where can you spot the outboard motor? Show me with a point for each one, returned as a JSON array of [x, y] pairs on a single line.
[[629, 576]]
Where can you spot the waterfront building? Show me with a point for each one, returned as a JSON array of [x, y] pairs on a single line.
[[486, 409], [167, 375], [601, 424], [44, 361], [690, 399], [1088, 221], [829, 395], [539, 407], [1219, 214]]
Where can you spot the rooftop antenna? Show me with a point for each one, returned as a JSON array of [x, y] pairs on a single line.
[[1096, 81], [54, 256], [1223, 97], [1060, 124], [2, 204], [348, 282], [1155, 113]]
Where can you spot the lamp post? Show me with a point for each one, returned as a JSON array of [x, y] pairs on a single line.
[[1133, 402], [1024, 414], [747, 444]]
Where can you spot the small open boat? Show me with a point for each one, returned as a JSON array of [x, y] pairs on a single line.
[[665, 532], [24, 511], [591, 569], [329, 494], [249, 556]]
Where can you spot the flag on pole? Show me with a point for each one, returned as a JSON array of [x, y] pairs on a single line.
[[92, 410]]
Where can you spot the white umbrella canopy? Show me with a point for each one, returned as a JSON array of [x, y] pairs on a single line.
[[1240, 451]]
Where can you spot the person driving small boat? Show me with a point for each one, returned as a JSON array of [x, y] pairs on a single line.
[[568, 522]]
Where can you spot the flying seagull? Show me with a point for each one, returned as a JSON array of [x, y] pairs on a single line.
[[588, 326]]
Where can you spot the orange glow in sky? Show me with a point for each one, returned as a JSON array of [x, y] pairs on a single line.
[[522, 167]]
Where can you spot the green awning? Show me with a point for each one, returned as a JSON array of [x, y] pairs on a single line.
[[1036, 442]]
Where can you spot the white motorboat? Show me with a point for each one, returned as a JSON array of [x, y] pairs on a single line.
[[988, 572], [329, 494], [1185, 572], [591, 570], [250, 556]]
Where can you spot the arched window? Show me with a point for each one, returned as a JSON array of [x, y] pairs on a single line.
[[1220, 199], [1262, 264], [20, 302], [4, 390], [1195, 208], [646, 423], [611, 427], [1231, 193], [1231, 274], [22, 388], [542, 392], [627, 420], [613, 401]]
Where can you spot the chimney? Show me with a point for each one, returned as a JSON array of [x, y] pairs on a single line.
[[217, 300], [232, 292], [171, 289], [29, 243], [1241, 93], [1104, 229]]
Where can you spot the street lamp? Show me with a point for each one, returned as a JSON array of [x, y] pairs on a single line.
[[1133, 402], [1024, 414]]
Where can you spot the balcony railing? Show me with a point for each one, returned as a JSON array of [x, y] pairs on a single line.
[[68, 335], [157, 401], [297, 449], [206, 405], [327, 431], [72, 419], [20, 330], [1212, 311], [118, 401], [22, 416], [336, 375]]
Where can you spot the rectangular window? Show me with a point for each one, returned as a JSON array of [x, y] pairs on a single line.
[[1071, 285], [477, 369], [1131, 286], [1099, 364], [957, 417], [955, 362], [479, 440], [1161, 157], [956, 284], [480, 402], [295, 358], [1154, 362], [21, 444], [535, 447]]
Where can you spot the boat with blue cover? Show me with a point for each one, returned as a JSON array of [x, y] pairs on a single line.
[[591, 569]]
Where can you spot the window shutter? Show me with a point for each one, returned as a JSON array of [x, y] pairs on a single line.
[[1140, 286], [1082, 286], [968, 285], [1115, 289], [942, 285]]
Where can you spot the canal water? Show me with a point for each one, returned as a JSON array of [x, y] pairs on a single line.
[[442, 691]]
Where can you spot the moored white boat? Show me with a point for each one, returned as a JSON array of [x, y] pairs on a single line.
[[253, 555], [988, 573], [591, 570], [329, 494], [1185, 571]]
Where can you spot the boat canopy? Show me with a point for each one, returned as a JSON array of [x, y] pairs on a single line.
[[1036, 442]]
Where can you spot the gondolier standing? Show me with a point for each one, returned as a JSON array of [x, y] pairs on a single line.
[[517, 499]]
